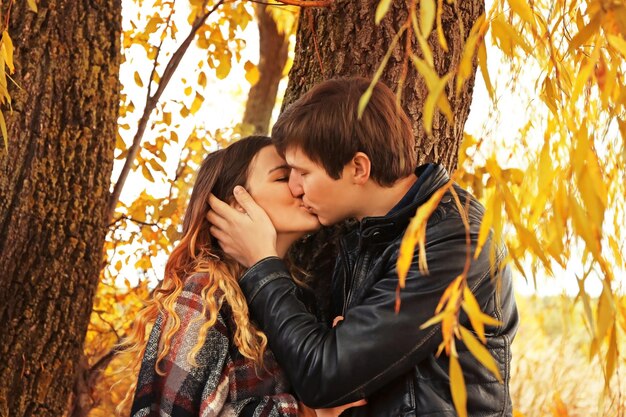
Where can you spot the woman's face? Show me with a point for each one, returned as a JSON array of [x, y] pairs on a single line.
[[268, 183]]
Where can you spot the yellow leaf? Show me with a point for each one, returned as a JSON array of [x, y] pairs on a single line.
[[482, 62], [618, 43], [252, 72], [611, 357], [138, 79], [7, 50], [585, 33], [585, 72], [434, 320], [440, 34], [146, 173], [523, 10], [467, 58], [480, 352], [381, 10], [431, 102], [188, 90], [167, 118], [583, 228], [606, 317], [153, 24], [446, 296], [491, 205], [472, 309], [416, 233], [430, 76], [202, 79], [3, 129], [197, 103], [223, 69], [457, 387], [155, 165], [508, 37], [32, 5], [425, 48], [432, 79], [365, 98], [407, 248], [427, 16]]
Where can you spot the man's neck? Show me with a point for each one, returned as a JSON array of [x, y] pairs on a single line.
[[382, 199]]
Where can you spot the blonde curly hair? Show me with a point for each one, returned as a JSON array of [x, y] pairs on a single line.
[[197, 252]]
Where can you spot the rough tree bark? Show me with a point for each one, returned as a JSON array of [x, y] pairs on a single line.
[[54, 185], [343, 40], [349, 43], [273, 48]]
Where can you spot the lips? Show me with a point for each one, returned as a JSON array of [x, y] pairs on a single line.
[[307, 208]]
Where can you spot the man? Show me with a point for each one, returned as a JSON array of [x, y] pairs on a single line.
[[345, 167]]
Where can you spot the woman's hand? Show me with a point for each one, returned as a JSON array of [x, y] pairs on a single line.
[[334, 411], [249, 236], [304, 411]]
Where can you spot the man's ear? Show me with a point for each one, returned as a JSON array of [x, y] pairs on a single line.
[[361, 168]]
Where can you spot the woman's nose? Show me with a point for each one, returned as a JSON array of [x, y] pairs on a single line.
[[295, 184]]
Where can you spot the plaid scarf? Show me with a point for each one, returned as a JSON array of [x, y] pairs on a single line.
[[224, 383]]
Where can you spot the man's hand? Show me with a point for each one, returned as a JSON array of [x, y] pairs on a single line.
[[248, 237]]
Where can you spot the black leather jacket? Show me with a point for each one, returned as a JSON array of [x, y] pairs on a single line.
[[377, 354]]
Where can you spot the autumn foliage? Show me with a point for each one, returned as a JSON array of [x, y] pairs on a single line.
[[553, 189]]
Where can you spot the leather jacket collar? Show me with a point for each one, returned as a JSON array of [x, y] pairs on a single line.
[[383, 229]]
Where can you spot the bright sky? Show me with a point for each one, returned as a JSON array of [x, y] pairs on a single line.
[[224, 105]]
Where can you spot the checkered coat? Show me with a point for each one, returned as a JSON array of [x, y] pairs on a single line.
[[224, 383]]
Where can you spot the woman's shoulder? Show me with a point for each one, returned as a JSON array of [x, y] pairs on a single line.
[[198, 282]]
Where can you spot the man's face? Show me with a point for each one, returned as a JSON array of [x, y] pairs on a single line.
[[329, 199]]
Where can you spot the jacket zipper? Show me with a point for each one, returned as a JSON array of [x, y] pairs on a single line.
[[348, 291], [345, 280]]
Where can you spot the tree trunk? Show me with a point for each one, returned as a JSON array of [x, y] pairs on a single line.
[[349, 43], [343, 40], [273, 47], [54, 186]]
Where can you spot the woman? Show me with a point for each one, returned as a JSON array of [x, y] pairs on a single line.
[[203, 355]]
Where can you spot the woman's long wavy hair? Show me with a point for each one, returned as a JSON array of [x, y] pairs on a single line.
[[198, 252]]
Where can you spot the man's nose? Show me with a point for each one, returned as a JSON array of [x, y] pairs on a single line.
[[295, 184]]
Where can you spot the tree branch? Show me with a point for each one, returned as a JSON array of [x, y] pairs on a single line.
[[299, 3], [151, 103]]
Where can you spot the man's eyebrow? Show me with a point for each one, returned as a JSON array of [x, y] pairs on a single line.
[[283, 166]]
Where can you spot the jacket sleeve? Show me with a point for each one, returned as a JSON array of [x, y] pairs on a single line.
[[372, 345]]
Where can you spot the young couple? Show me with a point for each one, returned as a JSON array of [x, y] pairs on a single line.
[[228, 296]]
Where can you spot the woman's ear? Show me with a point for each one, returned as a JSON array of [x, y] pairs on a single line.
[[361, 168], [235, 204]]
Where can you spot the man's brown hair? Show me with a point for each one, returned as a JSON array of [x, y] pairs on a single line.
[[324, 124]]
